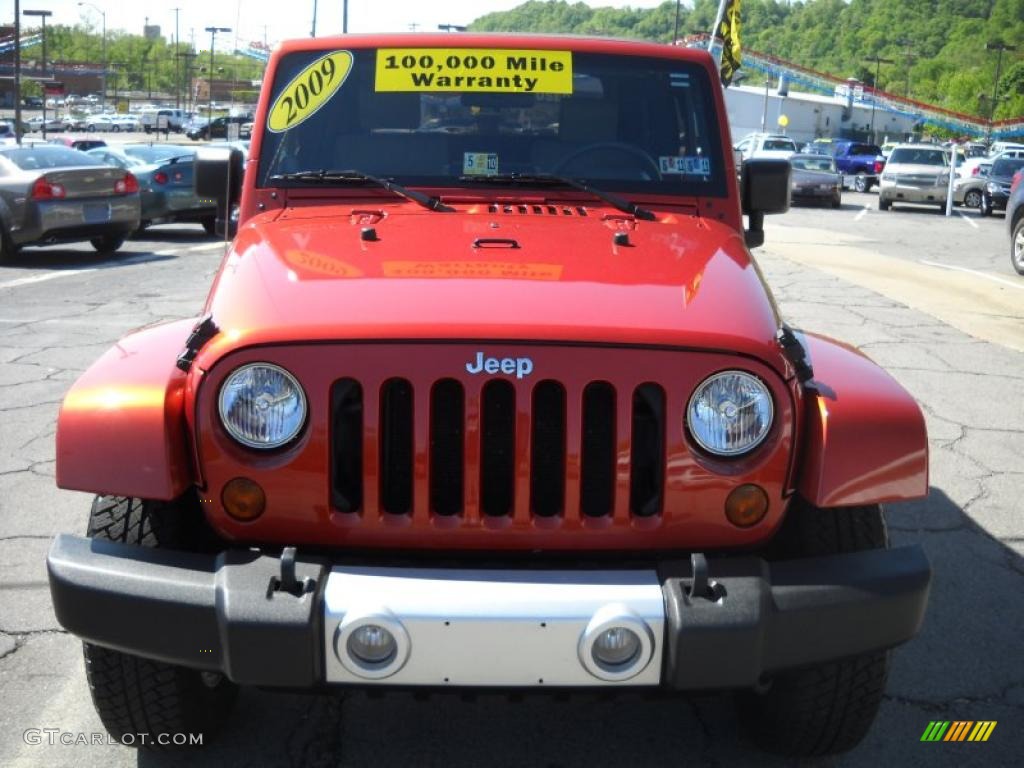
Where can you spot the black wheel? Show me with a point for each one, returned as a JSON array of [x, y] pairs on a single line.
[[861, 183], [143, 226], [827, 708], [8, 250], [884, 204], [133, 695], [985, 208], [210, 225], [973, 198], [107, 244], [1017, 245]]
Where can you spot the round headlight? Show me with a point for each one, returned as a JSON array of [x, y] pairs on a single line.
[[730, 413], [262, 406]]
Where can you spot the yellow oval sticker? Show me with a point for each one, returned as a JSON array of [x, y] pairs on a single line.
[[308, 91]]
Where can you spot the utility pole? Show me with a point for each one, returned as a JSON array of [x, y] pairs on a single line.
[[213, 43], [17, 71], [879, 61], [42, 17], [312, 32], [1000, 46], [103, 77], [344, 17], [909, 57], [177, 77], [675, 29]]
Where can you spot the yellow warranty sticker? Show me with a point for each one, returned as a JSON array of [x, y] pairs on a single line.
[[473, 69], [308, 91]]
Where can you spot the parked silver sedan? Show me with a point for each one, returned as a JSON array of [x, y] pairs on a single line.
[[51, 194]]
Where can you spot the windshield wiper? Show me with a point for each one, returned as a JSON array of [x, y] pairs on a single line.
[[566, 181], [351, 176]]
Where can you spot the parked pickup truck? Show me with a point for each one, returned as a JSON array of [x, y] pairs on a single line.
[[861, 164], [489, 393]]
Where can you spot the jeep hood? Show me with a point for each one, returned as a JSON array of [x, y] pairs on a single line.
[[505, 273]]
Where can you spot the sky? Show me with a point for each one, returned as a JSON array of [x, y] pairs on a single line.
[[251, 20]]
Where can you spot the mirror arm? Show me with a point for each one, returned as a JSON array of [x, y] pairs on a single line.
[[754, 234]]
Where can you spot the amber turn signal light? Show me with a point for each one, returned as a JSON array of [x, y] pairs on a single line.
[[243, 499], [746, 505]]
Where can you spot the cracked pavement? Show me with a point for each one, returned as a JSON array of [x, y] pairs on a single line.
[[967, 663]]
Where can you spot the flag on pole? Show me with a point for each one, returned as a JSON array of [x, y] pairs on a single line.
[[729, 31]]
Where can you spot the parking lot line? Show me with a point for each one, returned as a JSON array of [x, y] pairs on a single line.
[[860, 215], [207, 247], [969, 221], [41, 278], [993, 278]]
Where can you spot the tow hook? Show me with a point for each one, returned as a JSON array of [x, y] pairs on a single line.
[[287, 582], [702, 586]]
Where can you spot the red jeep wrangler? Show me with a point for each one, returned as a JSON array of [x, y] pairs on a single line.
[[489, 392]]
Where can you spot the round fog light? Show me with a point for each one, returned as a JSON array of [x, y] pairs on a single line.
[[372, 644], [616, 647]]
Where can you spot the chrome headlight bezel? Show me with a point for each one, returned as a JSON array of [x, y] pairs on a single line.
[[690, 418], [243, 439]]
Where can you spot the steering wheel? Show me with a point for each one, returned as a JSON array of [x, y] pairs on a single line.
[[649, 166]]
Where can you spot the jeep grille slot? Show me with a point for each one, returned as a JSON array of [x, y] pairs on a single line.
[[647, 470], [547, 450], [396, 448], [532, 209], [497, 448], [447, 435], [597, 473], [347, 445]]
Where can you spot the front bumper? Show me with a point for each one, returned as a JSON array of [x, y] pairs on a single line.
[[910, 193], [509, 628]]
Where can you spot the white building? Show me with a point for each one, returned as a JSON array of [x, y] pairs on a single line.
[[810, 115]]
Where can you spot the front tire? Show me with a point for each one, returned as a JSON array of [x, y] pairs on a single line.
[[884, 204], [972, 199], [827, 708], [1017, 245], [133, 695], [210, 225]]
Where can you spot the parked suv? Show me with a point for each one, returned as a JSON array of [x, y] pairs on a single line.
[[915, 173], [490, 393], [218, 128], [767, 145]]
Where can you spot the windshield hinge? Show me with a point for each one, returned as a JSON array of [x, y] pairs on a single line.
[[203, 331], [795, 353]]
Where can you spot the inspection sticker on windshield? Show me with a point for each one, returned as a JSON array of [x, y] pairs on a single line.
[[479, 163], [686, 166], [308, 91], [473, 69]]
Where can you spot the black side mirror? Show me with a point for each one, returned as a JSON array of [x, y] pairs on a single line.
[[764, 189], [218, 173]]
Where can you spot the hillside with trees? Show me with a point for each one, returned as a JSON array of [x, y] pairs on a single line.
[[937, 46]]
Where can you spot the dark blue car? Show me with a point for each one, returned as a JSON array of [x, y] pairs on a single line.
[[165, 183], [1015, 220]]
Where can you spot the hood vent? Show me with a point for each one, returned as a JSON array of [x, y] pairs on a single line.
[[533, 209]]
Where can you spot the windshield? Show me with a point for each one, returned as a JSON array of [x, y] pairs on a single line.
[[805, 163], [34, 158], [430, 116], [783, 144], [908, 156], [865, 149], [1006, 166]]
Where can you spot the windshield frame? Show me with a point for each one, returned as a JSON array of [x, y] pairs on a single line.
[[709, 116]]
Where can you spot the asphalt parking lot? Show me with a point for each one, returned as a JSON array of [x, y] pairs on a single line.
[[933, 299]]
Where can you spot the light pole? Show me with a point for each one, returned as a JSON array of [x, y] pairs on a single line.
[[42, 17], [313, 31], [177, 77], [909, 58], [344, 17], [17, 71], [879, 61], [1000, 46], [103, 15], [213, 42]]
